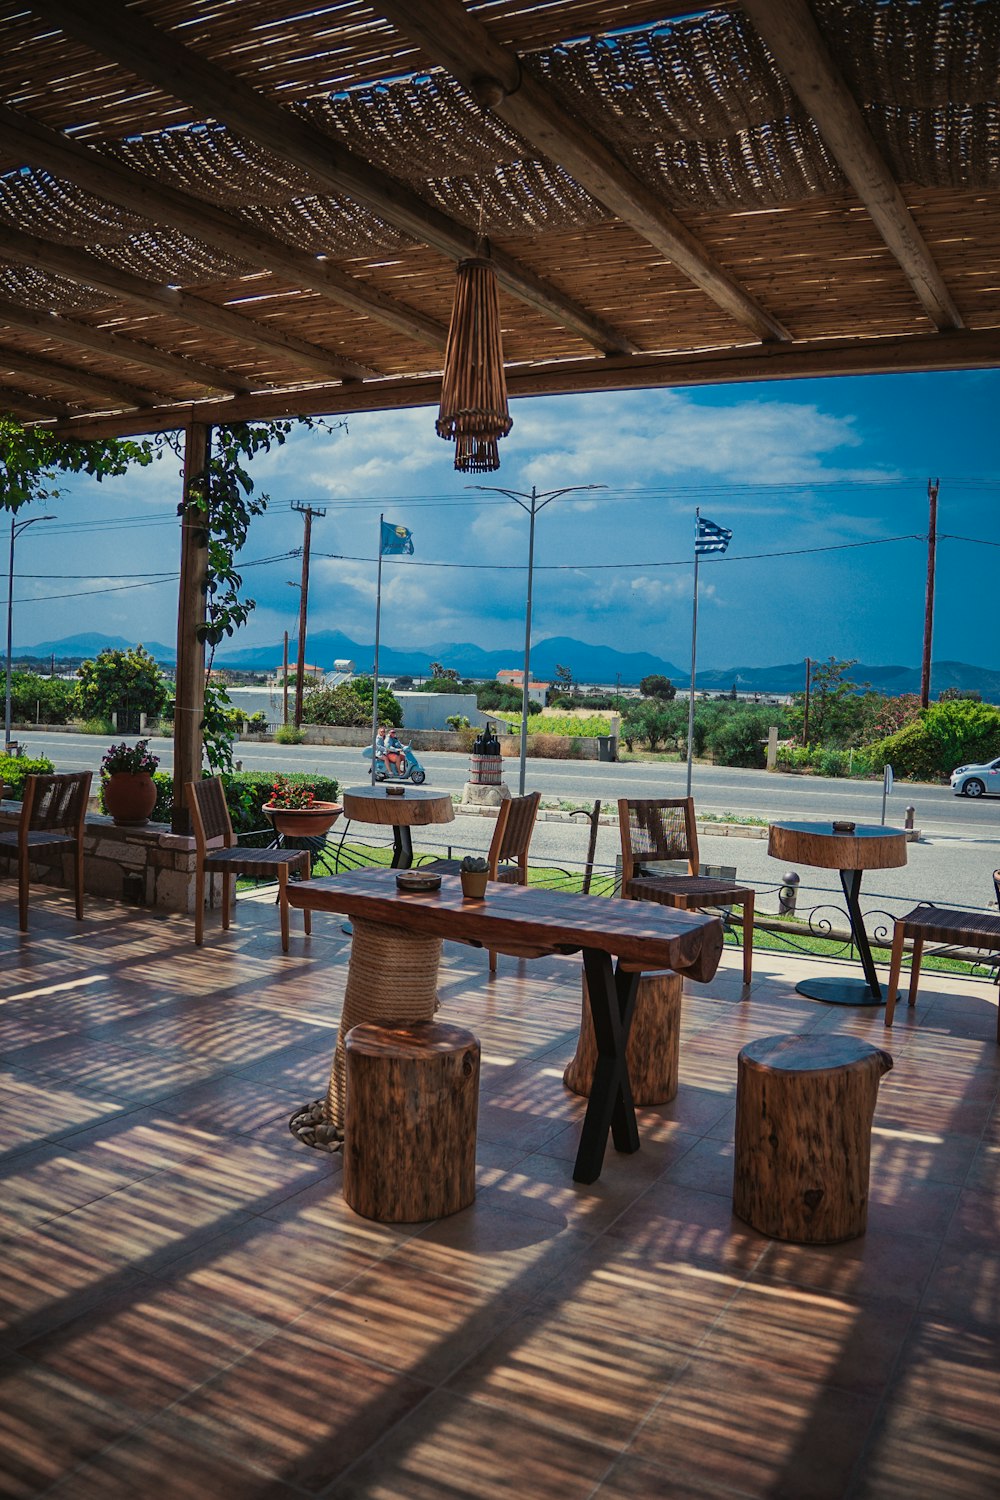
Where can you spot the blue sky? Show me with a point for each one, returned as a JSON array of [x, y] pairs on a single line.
[[788, 466]]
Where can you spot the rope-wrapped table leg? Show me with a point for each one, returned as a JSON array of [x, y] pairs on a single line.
[[391, 980]]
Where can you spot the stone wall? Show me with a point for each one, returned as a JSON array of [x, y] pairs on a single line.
[[147, 866]]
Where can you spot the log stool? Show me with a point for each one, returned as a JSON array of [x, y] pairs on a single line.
[[804, 1108], [410, 1125], [653, 1046]]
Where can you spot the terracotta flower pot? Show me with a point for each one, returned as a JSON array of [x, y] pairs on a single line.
[[474, 884], [303, 822], [130, 797]]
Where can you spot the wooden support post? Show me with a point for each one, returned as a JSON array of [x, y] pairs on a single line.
[[804, 1109], [653, 1048], [410, 1129], [189, 700]]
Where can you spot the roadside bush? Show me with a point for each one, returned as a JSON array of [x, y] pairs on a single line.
[[126, 683], [652, 722], [103, 727], [554, 747], [15, 769], [287, 734], [41, 700], [949, 734], [550, 724], [740, 738]]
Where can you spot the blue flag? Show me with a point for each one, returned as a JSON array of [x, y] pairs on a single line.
[[395, 539], [710, 538]]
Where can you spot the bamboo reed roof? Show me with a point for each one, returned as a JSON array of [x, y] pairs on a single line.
[[214, 208]]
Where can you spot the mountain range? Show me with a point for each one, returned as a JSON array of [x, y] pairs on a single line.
[[588, 664]]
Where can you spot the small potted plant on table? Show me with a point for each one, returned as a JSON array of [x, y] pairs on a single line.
[[295, 811], [127, 784], [474, 872]]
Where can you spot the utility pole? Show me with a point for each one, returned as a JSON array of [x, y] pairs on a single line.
[[307, 511], [284, 682], [805, 710], [925, 667]]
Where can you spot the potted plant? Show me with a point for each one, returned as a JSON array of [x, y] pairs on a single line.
[[474, 872], [295, 811], [127, 784]]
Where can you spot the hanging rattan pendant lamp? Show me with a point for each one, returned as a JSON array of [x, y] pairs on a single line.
[[474, 411]]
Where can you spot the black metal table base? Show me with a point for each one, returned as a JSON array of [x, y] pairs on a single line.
[[612, 994], [865, 991]]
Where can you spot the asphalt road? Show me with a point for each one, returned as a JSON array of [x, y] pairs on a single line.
[[952, 864]]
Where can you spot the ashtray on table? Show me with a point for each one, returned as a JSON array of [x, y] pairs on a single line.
[[395, 791], [843, 827], [418, 880]]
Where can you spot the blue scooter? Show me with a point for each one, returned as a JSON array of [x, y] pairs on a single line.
[[412, 769]]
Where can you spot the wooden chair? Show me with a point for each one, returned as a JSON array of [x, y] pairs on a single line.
[[659, 829], [508, 851], [216, 851], [52, 817], [952, 929]]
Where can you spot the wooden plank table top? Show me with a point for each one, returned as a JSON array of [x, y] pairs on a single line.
[[515, 918]]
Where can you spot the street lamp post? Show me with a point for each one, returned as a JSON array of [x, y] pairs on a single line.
[[16, 527], [532, 503]]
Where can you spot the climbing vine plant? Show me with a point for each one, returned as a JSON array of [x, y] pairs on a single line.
[[224, 493], [33, 458]]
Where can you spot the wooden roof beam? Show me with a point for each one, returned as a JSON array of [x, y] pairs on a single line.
[[78, 266], [121, 33], [116, 183], [21, 404], [102, 341], [456, 40], [905, 354], [82, 380], [790, 31]]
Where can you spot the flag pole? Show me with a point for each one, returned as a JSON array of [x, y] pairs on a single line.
[[378, 622], [694, 651]]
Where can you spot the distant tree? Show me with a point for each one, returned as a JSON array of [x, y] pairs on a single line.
[[658, 686], [389, 710], [653, 723], [126, 683], [564, 677], [50, 700], [503, 697], [945, 736], [403, 683], [836, 706], [443, 674], [955, 695], [885, 715]]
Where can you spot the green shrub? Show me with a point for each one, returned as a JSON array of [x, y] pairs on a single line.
[[740, 738], [550, 724], [287, 734], [15, 769], [948, 735], [41, 700], [103, 727]]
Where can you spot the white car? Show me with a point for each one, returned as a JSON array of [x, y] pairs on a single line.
[[976, 781]]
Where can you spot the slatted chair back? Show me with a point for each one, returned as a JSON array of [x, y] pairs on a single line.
[[56, 803], [210, 814], [512, 835], [654, 829], [996, 885]]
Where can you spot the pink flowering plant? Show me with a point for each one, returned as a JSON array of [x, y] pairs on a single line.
[[290, 794], [132, 758]]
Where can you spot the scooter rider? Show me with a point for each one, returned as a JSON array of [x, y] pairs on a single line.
[[395, 752]]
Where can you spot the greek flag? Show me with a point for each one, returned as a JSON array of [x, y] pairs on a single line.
[[395, 539], [710, 538]]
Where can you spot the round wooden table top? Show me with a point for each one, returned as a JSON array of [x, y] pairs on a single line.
[[869, 846], [412, 806]]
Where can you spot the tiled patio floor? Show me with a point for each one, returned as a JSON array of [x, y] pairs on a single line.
[[190, 1310]]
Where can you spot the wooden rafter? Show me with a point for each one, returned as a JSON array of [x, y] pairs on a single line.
[[21, 404], [459, 42], [886, 356], [156, 55], [103, 341], [117, 183], [790, 31], [70, 261], [81, 380]]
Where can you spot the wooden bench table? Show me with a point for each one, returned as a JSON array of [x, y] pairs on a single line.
[[526, 922]]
